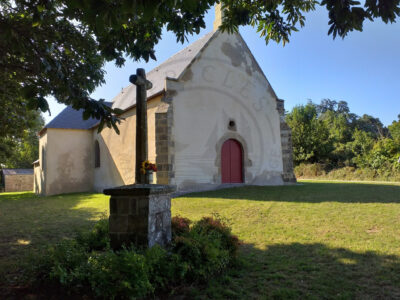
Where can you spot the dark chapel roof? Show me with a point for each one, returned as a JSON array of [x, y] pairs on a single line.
[[171, 68], [70, 118]]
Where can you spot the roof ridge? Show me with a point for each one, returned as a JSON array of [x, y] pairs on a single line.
[[183, 50]]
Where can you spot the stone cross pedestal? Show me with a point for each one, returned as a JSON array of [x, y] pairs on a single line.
[[140, 214]]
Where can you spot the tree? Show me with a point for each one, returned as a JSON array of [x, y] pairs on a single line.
[[15, 121], [394, 130], [19, 145], [373, 125], [362, 144], [58, 48], [310, 135], [329, 134]]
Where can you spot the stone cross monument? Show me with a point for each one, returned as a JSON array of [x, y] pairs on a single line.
[[142, 84], [140, 213]]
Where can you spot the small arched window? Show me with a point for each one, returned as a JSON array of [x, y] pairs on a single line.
[[96, 154]]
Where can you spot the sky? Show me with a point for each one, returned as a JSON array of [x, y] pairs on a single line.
[[362, 69]]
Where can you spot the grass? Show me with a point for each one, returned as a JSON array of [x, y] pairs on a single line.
[[28, 222], [315, 240]]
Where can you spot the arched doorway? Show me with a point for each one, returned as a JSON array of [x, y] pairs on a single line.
[[232, 162]]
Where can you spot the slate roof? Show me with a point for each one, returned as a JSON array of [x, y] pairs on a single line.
[[171, 68], [70, 118], [17, 171]]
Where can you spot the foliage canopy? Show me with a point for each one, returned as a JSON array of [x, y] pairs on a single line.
[[58, 48], [329, 134]]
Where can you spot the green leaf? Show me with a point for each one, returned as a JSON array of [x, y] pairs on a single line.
[[118, 111], [86, 114], [40, 8], [101, 126], [115, 127]]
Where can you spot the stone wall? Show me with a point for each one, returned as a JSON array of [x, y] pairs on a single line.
[[18, 183], [287, 147], [140, 214], [164, 142]]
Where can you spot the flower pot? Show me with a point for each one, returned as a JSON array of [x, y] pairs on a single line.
[[150, 176]]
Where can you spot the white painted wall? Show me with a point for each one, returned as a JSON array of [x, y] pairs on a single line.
[[68, 161], [117, 152], [225, 83]]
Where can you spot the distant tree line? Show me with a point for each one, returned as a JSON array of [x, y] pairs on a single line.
[[329, 135]]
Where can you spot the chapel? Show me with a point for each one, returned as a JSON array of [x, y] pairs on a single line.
[[213, 121]]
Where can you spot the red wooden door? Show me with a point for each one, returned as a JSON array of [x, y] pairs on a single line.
[[232, 162]]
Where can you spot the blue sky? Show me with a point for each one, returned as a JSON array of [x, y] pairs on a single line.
[[363, 69]]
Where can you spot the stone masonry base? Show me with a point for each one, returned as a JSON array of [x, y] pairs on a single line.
[[140, 214]]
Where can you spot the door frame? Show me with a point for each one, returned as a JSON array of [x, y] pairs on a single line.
[[241, 157], [246, 162]]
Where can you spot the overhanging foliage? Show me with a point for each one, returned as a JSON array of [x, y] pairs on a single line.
[[58, 48]]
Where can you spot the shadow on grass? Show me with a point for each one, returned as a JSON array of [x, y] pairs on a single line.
[[311, 192], [29, 222], [304, 271]]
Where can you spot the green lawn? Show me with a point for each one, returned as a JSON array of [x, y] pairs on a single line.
[[28, 222], [314, 240]]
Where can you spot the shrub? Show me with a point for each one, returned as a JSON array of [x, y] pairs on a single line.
[[180, 225], [88, 264], [210, 225], [164, 267], [208, 248], [97, 238], [389, 173], [123, 274], [68, 261], [309, 170]]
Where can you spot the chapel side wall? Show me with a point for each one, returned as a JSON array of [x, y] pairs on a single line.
[[225, 84], [39, 171], [68, 159], [117, 152]]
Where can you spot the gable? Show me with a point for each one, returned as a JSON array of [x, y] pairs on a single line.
[[224, 85], [232, 51]]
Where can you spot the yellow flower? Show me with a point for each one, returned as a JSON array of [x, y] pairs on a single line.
[[145, 166]]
